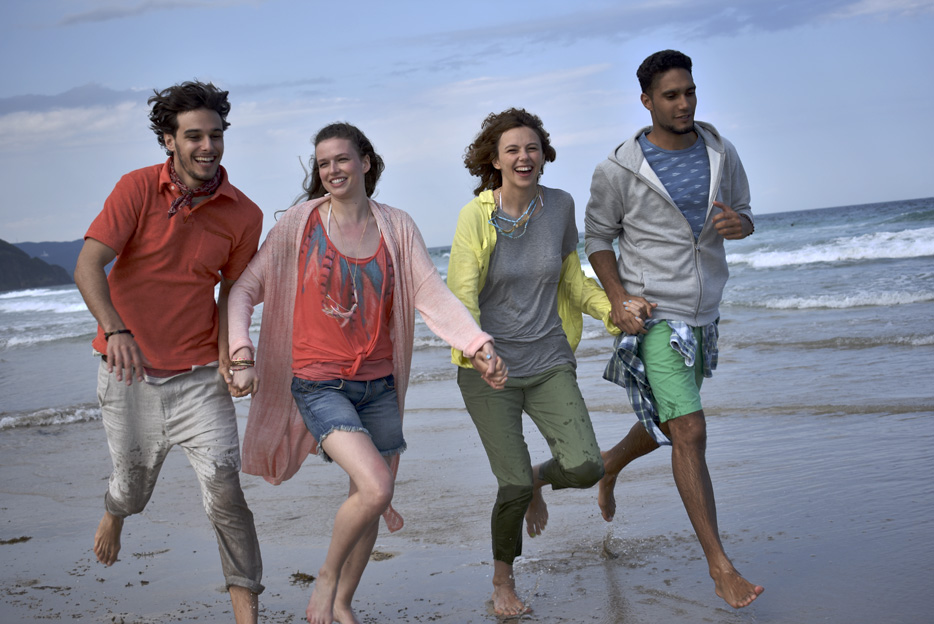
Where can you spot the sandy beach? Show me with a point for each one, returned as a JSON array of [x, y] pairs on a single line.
[[826, 505]]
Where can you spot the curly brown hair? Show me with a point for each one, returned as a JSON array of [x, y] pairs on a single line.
[[315, 188], [181, 98], [479, 156]]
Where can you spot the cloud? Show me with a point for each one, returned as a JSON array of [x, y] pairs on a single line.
[[624, 21], [539, 84], [887, 8], [123, 10], [44, 130], [307, 87], [89, 95]]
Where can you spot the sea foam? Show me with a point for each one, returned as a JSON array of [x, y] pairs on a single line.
[[846, 300], [50, 416], [915, 243]]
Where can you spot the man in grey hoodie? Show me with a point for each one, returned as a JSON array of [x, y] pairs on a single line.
[[669, 195]]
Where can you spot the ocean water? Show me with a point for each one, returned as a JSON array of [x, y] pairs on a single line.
[[852, 285]]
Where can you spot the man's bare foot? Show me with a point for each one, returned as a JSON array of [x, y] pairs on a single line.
[[107, 539], [606, 499], [735, 590], [536, 517], [320, 608], [345, 615]]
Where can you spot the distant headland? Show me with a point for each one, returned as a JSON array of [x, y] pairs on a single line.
[[36, 265]]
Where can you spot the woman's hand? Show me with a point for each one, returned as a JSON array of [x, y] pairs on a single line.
[[245, 382], [490, 366]]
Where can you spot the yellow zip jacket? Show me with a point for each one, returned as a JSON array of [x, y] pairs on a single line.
[[473, 245]]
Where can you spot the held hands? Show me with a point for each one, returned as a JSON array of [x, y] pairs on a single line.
[[630, 313], [241, 379], [490, 366], [729, 223], [125, 358], [244, 382]]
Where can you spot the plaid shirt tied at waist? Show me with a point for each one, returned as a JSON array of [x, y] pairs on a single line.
[[627, 370]]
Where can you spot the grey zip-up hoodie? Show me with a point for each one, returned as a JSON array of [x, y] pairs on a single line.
[[658, 256]]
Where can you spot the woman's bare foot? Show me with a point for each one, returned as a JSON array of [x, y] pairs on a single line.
[[536, 517], [345, 615], [734, 589], [320, 608], [606, 499], [107, 538], [505, 600], [507, 603]]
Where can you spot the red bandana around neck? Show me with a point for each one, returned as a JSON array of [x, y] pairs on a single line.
[[187, 194]]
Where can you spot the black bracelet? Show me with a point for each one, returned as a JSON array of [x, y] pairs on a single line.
[[107, 335], [749, 221]]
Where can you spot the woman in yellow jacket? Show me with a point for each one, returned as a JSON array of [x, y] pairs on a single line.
[[514, 264]]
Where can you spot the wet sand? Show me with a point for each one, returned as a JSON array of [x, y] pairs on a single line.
[[830, 511]]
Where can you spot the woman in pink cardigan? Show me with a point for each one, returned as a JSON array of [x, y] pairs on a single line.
[[341, 276]]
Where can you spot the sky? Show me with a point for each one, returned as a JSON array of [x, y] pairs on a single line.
[[814, 94]]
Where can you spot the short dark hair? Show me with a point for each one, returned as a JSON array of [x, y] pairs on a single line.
[[314, 187], [479, 155], [181, 98], [659, 63]]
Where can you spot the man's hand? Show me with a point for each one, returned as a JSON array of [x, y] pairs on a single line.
[[123, 352], [125, 358], [630, 313], [223, 366], [730, 224], [490, 366]]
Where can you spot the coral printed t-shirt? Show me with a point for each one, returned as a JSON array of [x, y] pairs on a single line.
[[162, 282], [341, 345]]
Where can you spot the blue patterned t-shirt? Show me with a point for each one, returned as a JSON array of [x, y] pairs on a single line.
[[686, 176]]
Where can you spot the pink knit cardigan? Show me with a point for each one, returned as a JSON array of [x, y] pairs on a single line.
[[276, 441]]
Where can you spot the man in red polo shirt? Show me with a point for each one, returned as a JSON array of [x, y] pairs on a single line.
[[176, 229]]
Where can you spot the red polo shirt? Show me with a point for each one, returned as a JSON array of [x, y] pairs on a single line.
[[162, 282]]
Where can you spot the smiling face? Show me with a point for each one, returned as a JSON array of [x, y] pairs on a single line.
[[341, 169], [519, 157], [672, 101], [197, 146]]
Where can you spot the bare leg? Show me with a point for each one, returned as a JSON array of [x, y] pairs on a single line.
[[351, 574], [107, 538], [245, 604], [371, 493], [505, 600], [536, 517], [688, 435], [637, 443]]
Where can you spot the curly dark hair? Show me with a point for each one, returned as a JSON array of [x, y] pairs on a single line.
[[479, 156], [181, 98], [313, 186], [659, 63]]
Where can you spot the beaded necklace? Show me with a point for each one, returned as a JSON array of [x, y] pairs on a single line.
[[510, 228]]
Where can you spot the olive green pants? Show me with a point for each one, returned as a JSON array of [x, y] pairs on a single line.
[[553, 401]]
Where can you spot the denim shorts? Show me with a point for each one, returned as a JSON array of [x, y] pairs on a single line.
[[370, 407]]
